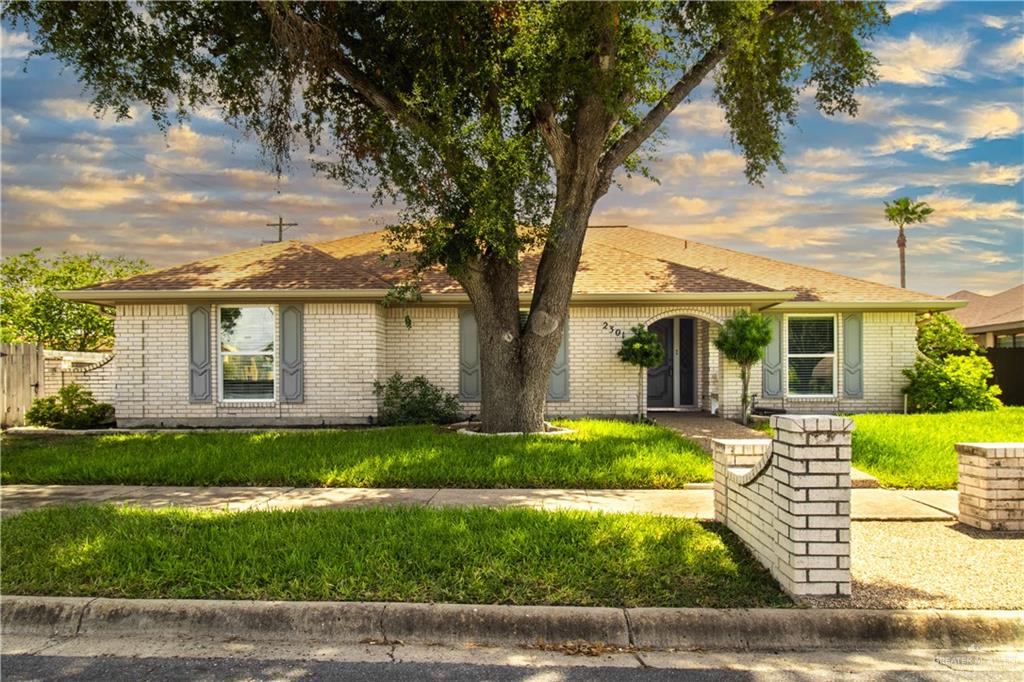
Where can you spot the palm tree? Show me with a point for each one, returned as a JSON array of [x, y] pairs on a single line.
[[901, 212]]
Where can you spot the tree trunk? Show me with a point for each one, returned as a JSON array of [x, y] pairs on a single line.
[[516, 360], [901, 241], [744, 401]]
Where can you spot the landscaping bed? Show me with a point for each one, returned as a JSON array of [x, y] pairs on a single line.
[[916, 451], [599, 454], [510, 556]]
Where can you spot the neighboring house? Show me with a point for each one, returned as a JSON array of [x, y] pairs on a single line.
[[995, 321], [294, 333]]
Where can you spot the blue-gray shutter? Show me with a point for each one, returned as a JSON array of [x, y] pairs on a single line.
[[558, 383], [469, 357], [290, 353], [853, 355], [771, 367], [199, 363]]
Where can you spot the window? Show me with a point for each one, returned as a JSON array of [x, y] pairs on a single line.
[[1005, 341], [812, 355], [246, 353]]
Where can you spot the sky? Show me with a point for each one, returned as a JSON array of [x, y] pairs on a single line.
[[945, 125]]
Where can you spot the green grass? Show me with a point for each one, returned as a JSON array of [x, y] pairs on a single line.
[[916, 451], [601, 454], [510, 556]]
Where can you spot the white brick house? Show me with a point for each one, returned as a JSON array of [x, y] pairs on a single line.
[[293, 333]]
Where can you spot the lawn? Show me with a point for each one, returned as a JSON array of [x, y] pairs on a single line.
[[916, 451], [601, 454], [510, 556]]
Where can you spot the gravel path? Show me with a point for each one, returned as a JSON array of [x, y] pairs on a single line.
[[943, 565]]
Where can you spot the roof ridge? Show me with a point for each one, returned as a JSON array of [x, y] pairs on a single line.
[[769, 260]]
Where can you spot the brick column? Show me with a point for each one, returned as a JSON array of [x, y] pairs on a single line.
[[991, 485], [792, 507]]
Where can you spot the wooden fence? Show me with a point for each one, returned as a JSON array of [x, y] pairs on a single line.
[[21, 371]]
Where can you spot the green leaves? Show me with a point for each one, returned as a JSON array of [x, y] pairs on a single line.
[[743, 338], [642, 348], [905, 211], [32, 313]]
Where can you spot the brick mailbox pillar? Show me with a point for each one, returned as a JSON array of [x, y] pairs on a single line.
[[791, 504], [991, 485]]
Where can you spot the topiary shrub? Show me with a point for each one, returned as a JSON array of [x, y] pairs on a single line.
[[416, 401], [949, 374], [643, 350], [72, 408], [742, 339]]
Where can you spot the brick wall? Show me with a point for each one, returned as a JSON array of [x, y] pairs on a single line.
[[343, 354], [889, 346], [93, 371], [991, 485], [789, 501], [348, 345]]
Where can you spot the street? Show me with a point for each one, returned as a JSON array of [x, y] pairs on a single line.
[[94, 658]]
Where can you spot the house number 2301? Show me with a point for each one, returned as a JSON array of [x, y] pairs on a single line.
[[612, 329]]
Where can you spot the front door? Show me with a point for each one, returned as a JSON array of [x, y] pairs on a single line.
[[659, 379]]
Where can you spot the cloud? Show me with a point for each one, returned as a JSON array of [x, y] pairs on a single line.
[[14, 45], [983, 172], [950, 207], [343, 221], [253, 179], [713, 163], [1007, 57], [829, 157], [68, 109], [992, 121], [89, 191], [703, 115], [918, 61], [929, 144], [913, 6], [692, 205], [991, 21], [873, 191]]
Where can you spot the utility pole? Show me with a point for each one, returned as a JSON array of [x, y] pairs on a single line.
[[281, 226]]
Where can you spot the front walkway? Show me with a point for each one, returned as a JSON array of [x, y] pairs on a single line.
[[703, 427], [692, 502]]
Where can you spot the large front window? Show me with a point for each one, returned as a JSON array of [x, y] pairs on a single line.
[[246, 335], [812, 356]]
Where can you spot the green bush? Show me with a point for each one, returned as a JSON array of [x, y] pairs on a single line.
[[72, 408], [416, 401], [954, 383]]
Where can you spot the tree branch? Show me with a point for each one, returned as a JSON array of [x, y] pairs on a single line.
[[555, 139], [297, 34], [635, 136]]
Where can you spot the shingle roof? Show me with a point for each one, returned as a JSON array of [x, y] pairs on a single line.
[[1006, 307], [616, 260]]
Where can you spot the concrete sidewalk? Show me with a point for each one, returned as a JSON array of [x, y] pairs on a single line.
[[867, 504]]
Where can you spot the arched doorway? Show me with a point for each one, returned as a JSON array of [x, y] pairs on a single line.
[[684, 380]]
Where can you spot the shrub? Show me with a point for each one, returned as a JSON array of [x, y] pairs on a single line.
[[949, 375], [742, 339], [643, 351], [416, 401], [954, 383], [941, 335], [72, 408]]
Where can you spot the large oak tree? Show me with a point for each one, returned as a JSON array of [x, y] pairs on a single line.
[[496, 126]]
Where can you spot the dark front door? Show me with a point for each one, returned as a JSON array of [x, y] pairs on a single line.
[[687, 362], [659, 379]]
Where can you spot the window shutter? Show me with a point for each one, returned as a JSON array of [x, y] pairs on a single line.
[[469, 357], [771, 367], [853, 355], [291, 353], [558, 383], [199, 365]]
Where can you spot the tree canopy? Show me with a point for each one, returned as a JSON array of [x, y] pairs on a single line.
[[31, 311], [496, 126]]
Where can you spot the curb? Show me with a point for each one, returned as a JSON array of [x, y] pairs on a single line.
[[498, 625]]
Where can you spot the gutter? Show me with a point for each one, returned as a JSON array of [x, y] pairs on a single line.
[[781, 301]]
